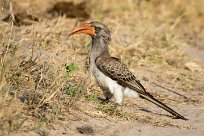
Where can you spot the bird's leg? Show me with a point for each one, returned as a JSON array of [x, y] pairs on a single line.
[[107, 95], [106, 100]]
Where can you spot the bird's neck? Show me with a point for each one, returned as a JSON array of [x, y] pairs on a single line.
[[99, 47]]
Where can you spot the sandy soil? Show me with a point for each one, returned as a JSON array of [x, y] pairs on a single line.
[[110, 127]]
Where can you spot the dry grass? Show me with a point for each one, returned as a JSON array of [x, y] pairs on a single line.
[[44, 75]]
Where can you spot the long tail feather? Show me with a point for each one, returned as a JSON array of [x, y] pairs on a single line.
[[163, 106], [150, 98]]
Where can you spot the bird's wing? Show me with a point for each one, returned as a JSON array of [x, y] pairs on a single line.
[[116, 70]]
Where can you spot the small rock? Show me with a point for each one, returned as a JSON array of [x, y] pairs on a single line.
[[86, 130], [193, 66]]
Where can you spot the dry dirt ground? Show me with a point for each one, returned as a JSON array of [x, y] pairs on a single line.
[[45, 85]]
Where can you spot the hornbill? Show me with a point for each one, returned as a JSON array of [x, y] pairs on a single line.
[[111, 74]]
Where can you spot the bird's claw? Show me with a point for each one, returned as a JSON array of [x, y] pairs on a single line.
[[105, 101]]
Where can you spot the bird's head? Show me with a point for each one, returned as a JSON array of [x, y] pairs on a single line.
[[94, 29]]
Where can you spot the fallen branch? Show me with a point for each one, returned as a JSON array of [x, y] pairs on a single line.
[[165, 88]]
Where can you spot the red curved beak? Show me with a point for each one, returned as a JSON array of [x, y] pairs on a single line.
[[85, 28]]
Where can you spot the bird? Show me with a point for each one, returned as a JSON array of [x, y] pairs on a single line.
[[113, 76]]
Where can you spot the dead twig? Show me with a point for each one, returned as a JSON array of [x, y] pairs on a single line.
[[173, 91]]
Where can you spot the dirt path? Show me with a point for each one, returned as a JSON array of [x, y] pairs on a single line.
[[106, 127]]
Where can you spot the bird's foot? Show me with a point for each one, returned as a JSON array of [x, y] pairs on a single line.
[[103, 101], [118, 106]]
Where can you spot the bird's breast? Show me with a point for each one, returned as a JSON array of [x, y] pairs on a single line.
[[103, 81]]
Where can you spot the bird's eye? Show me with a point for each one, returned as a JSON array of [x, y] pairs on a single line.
[[97, 29]]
